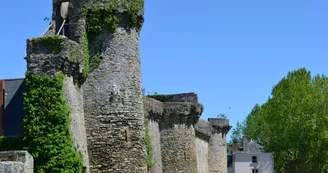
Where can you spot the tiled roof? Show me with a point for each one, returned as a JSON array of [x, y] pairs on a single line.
[[254, 147]]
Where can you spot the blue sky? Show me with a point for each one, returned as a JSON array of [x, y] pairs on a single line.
[[230, 53]]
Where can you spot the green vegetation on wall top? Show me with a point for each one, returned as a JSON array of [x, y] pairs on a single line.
[[148, 146], [46, 126], [107, 16], [159, 97], [51, 41]]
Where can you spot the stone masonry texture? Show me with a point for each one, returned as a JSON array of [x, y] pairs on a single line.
[[154, 112], [218, 153], [74, 98], [156, 146], [44, 60], [113, 102], [202, 155], [178, 138], [113, 106], [109, 112], [184, 97], [203, 132], [16, 162]]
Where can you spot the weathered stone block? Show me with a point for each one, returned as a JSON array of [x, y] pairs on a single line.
[[16, 162], [218, 122], [49, 55], [217, 150], [153, 108], [183, 97]]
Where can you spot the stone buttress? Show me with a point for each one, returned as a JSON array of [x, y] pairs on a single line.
[[217, 146]]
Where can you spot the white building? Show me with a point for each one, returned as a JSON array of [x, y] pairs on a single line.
[[251, 158]]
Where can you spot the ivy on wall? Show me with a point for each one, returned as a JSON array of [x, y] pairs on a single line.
[[11, 143], [86, 56], [148, 146], [46, 126], [147, 138], [107, 16]]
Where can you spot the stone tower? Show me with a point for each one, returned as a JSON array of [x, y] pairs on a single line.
[[113, 126], [113, 102], [100, 57], [178, 143], [217, 146]]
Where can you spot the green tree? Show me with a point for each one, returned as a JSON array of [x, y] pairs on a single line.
[[237, 134], [294, 123], [253, 124]]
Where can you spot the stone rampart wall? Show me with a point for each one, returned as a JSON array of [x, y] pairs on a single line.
[[154, 112], [202, 155]]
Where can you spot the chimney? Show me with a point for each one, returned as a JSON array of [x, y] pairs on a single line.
[[2, 105], [230, 149], [234, 145], [245, 144]]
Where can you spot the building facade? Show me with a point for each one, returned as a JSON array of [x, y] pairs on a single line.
[[251, 158]]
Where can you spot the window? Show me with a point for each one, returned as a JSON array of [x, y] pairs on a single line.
[[255, 171], [254, 159]]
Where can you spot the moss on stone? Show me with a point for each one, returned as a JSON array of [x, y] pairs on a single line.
[[159, 97], [73, 53], [148, 146], [52, 42], [107, 16], [95, 61], [133, 9], [86, 56], [195, 111]]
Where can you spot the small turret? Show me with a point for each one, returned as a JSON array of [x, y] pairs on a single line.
[[181, 113], [220, 125], [218, 153]]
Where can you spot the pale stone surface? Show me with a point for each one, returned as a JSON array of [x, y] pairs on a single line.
[[202, 155], [74, 98], [179, 149], [217, 146], [16, 162], [156, 146], [12, 167], [217, 154], [153, 110]]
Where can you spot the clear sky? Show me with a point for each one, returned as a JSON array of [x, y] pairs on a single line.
[[229, 52]]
